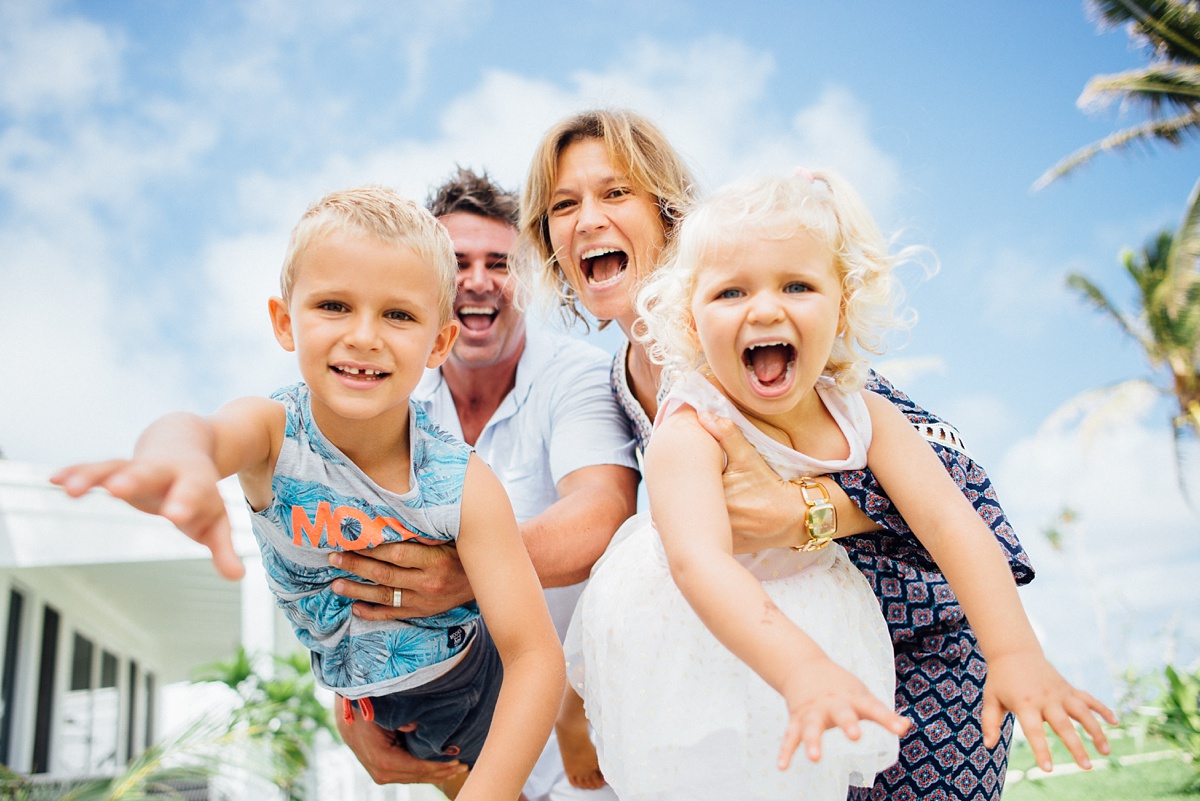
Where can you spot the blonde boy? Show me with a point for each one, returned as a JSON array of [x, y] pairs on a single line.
[[344, 461]]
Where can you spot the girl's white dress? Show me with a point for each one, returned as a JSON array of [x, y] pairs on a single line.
[[676, 714]]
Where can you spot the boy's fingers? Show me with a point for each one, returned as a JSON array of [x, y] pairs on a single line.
[[219, 540], [78, 479]]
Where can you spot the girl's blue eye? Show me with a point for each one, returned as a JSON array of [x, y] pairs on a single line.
[[796, 286], [730, 293]]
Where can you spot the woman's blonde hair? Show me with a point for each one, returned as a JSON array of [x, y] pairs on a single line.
[[821, 204], [637, 148]]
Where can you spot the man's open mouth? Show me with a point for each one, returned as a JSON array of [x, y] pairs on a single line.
[[770, 364], [601, 265], [477, 318]]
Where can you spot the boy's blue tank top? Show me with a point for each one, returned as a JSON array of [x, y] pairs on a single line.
[[323, 503]]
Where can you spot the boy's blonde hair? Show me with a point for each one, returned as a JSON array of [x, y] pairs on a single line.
[[385, 216], [821, 204], [636, 148]]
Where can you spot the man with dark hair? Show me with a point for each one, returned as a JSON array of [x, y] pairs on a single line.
[[538, 409]]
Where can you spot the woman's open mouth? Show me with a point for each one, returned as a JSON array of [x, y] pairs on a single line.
[[770, 367], [603, 265]]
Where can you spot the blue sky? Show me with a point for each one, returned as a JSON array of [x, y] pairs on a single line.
[[153, 156]]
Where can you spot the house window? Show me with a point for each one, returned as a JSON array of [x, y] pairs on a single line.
[[88, 736], [45, 697], [131, 729], [8, 682]]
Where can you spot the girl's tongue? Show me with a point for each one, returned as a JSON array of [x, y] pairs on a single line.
[[769, 363]]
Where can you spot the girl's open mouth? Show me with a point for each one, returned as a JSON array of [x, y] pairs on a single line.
[[770, 366]]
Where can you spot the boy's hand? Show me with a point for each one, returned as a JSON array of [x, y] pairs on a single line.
[[824, 696], [1028, 686], [184, 493]]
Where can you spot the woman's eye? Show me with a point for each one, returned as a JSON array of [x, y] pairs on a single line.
[[619, 191], [561, 205]]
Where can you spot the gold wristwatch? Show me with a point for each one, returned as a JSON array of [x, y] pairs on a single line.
[[820, 518]]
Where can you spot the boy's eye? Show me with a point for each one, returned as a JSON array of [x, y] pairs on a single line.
[[398, 315], [332, 306]]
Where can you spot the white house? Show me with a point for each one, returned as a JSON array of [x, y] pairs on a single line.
[[103, 606]]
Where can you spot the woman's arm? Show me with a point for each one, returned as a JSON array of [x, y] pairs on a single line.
[[764, 510], [1020, 679], [510, 600], [683, 478]]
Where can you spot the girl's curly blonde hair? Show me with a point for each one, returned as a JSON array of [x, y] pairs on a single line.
[[821, 204]]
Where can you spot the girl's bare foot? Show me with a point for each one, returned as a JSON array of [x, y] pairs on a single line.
[[579, 757]]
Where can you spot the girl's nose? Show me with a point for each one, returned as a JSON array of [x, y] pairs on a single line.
[[765, 308]]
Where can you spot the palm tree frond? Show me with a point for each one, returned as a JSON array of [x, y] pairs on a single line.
[[1170, 27], [1170, 130], [1095, 297], [1183, 261], [1172, 84]]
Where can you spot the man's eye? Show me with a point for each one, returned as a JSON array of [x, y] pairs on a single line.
[[499, 265], [462, 265]]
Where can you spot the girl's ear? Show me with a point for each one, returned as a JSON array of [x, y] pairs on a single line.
[[443, 344], [281, 323]]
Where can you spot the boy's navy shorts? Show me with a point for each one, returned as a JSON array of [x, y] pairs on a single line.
[[453, 712]]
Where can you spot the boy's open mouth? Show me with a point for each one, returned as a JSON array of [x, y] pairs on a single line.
[[603, 264], [360, 373], [477, 318], [770, 365]]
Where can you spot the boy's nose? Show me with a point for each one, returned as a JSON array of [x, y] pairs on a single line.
[[363, 333]]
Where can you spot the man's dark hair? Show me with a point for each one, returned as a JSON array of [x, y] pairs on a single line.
[[471, 193]]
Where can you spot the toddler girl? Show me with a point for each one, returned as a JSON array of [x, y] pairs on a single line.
[[680, 649]]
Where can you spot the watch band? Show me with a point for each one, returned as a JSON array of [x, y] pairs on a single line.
[[820, 517]]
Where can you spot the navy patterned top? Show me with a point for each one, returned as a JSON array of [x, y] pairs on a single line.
[[914, 594]]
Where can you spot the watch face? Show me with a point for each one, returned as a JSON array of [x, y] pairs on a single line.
[[822, 521]]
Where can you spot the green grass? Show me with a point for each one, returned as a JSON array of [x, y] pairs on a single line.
[[1161, 780]]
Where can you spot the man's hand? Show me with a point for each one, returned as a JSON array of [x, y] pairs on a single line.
[[184, 492], [430, 578], [386, 761], [764, 510]]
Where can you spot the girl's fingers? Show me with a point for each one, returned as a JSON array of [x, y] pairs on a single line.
[[846, 719], [812, 739], [1035, 735], [1061, 723], [993, 717], [791, 741], [1081, 708]]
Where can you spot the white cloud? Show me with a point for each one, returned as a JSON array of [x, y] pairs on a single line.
[[1127, 570], [1022, 297], [54, 63]]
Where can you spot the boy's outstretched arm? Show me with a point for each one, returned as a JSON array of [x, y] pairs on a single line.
[[177, 463], [514, 610], [683, 478], [1020, 679]]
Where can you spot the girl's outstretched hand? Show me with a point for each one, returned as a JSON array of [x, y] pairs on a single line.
[[1028, 686], [825, 696]]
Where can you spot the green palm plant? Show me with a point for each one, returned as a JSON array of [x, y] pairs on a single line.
[[1168, 87], [1166, 322]]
